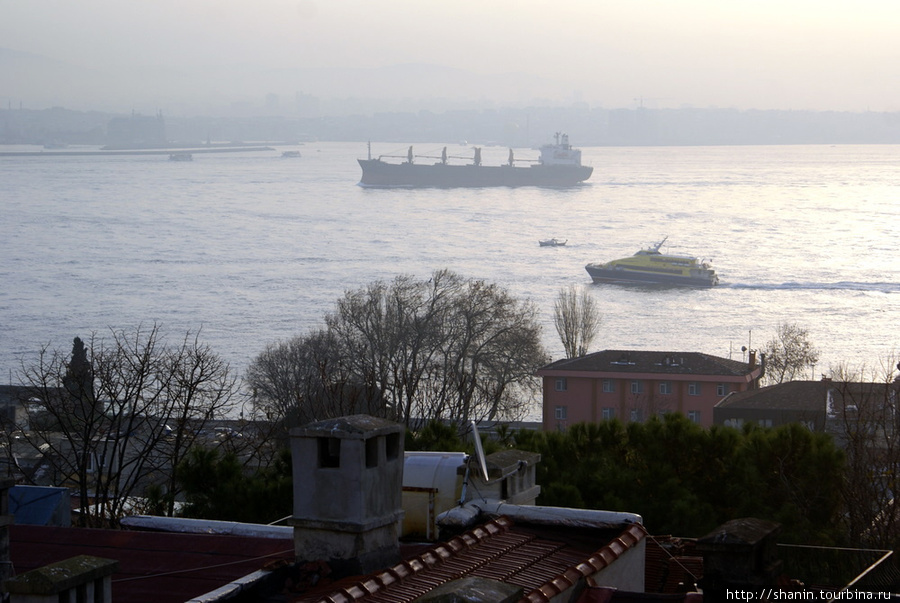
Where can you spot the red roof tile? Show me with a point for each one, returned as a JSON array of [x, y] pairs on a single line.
[[639, 361], [543, 566]]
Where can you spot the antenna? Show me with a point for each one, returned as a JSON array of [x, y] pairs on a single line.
[[479, 451]]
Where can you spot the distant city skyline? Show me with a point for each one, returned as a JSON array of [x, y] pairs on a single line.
[[195, 55]]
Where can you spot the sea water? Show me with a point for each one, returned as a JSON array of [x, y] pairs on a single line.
[[253, 248]]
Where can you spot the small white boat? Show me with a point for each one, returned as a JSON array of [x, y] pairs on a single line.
[[553, 242], [290, 154], [181, 157]]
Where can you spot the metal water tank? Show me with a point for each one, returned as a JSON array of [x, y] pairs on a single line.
[[431, 485]]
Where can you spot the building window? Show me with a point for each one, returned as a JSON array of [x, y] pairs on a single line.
[[561, 384], [765, 422], [392, 446], [609, 386], [372, 446], [329, 453], [665, 387], [609, 413], [693, 388], [637, 387], [561, 412], [722, 389], [636, 415], [694, 415]]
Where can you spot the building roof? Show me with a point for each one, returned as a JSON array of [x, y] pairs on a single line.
[[351, 427], [663, 363], [793, 395], [541, 562], [153, 567]]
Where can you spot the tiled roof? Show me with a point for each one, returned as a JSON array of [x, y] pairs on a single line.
[[794, 395], [497, 550], [668, 363], [153, 567]]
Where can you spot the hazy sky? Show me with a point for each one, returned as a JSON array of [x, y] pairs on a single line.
[[766, 54]]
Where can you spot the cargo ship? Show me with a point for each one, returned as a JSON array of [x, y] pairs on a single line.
[[559, 165], [651, 267]]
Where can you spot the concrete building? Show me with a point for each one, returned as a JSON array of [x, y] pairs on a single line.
[[822, 406], [803, 402], [634, 385]]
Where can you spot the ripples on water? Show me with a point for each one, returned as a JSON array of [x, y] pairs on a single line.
[[255, 247]]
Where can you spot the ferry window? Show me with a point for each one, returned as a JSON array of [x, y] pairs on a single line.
[[561, 384], [637, 387], [609, 413], [665, 387], [561, 412], [609, 386], [722, 389], [693, 388], [694, 415]]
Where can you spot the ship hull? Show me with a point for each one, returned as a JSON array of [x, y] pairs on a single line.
[[624, 276], [377, 173]]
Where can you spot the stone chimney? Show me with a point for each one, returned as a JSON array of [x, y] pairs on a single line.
[[348, 480], [740, 554], [81, 578]]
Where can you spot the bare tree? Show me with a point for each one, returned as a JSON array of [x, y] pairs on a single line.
[[789, 353], [443, 348], [117, 416], [864, 419], [577, 320], [305, 379], [493, 352]]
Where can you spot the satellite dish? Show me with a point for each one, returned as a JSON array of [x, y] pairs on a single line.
[[479, 451]]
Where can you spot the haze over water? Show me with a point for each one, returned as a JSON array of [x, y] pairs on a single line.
[[253, 247]]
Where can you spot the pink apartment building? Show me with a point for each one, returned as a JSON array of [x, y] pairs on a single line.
[[634, 385]]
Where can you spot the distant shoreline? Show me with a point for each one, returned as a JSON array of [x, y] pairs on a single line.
[[63, 153]]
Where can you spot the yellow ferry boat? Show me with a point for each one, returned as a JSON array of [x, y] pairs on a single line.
[[650, 266]]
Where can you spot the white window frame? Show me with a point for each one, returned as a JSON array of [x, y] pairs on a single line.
[[694, 388], [637, 387], [694, 416], [609, 413], [561, 384], [665, 388], [609, 386], [561, 413], [722, 389]]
